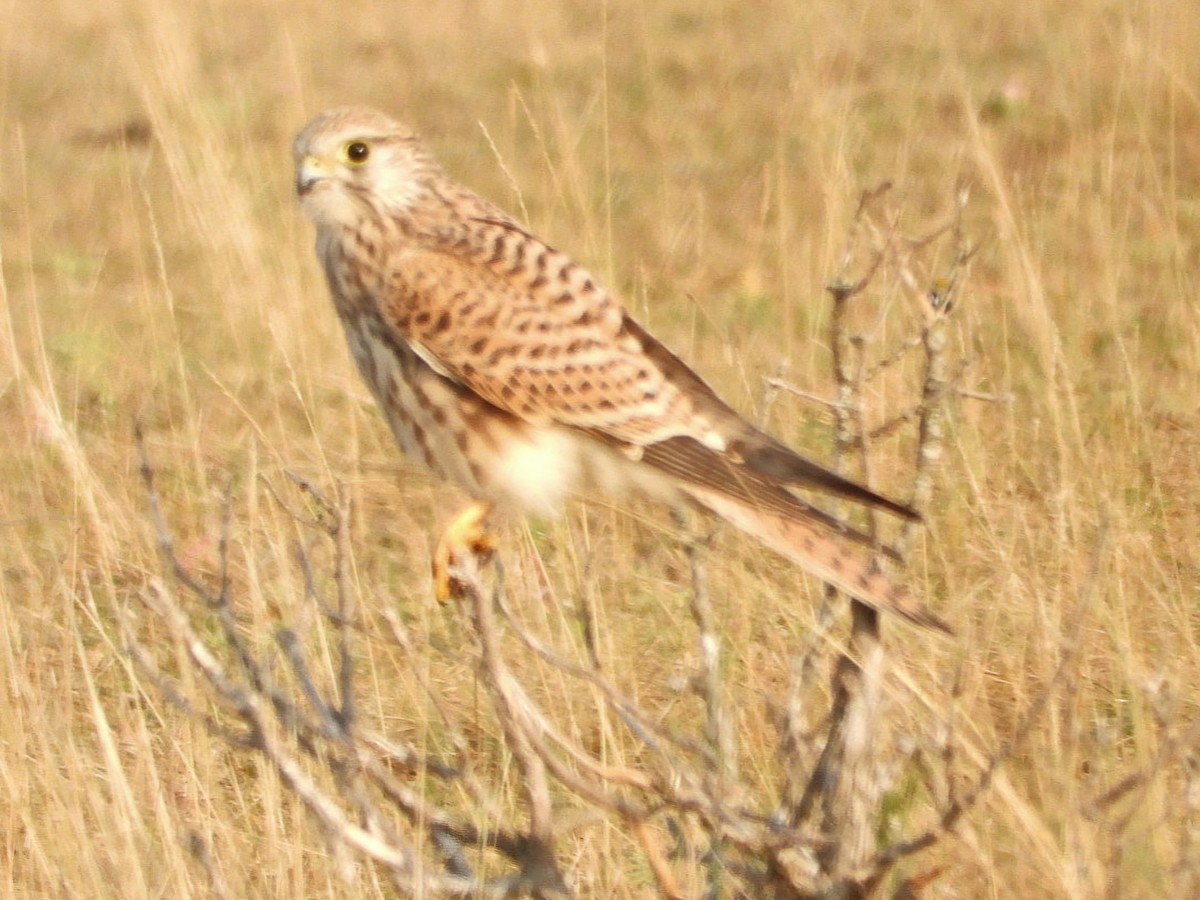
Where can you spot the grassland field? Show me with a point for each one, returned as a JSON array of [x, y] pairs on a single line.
[[705, 160]]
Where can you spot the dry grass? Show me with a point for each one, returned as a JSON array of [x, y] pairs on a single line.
[[153, 267]]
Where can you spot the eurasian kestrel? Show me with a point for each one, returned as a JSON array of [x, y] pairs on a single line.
[[504, 366]]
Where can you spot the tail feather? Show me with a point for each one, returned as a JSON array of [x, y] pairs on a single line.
[[816, 547], [751, 486], [768, 457]]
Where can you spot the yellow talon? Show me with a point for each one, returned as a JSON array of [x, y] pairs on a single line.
[[466, 535]]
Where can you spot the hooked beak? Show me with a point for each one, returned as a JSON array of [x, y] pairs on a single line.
[[310, 172]]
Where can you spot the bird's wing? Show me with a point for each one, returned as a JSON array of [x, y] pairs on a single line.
[[532, 332]]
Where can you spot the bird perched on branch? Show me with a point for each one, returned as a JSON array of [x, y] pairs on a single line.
[[504, 366]]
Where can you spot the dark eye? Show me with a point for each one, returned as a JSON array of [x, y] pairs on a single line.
[[357, 152]]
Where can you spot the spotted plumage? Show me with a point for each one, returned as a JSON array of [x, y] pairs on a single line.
[[504, 366]]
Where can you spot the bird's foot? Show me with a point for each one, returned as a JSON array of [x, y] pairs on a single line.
[[465, 539]]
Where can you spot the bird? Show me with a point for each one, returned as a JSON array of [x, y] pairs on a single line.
[[504, 366]]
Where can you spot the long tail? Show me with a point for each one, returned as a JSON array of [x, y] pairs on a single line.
[[814, 543]]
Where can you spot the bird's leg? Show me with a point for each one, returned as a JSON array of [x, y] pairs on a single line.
[[466, 535]]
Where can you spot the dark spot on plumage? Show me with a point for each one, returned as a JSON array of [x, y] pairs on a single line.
[[497, 356], [442, 323], [544, 327], [421, 437], [422, 318], [569, 370], [364, 241], [538, 282], [479, 346], [568, 390], [606, 405], [585, 318], [461, 439], [564, 298], [488, 321], [523, 326], [439, 416], [497, 249], [538, 351], [587, 287]]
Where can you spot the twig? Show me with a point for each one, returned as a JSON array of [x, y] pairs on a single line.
[[325, 739], [516, 716], [788, 387], [707, 685]]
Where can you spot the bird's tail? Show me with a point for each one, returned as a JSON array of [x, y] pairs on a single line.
[[813, 542]]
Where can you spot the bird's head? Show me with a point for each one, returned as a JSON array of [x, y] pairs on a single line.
[[353, 155]]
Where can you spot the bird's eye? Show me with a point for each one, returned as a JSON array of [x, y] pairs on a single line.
[[356, 152]]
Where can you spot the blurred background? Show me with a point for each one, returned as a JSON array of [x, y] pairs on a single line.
[[705, 160]]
